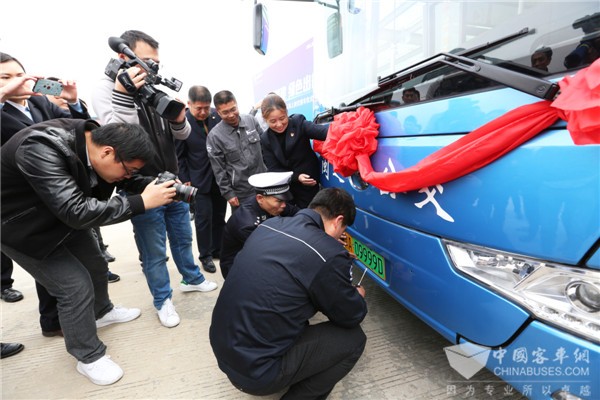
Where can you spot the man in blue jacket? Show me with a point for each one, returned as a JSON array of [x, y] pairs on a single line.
[[289, 269]]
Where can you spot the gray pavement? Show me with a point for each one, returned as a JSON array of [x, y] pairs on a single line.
[[404, 358]]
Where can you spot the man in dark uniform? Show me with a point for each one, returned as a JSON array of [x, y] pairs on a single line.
[[195, 169], [289, 269], [272, 195]]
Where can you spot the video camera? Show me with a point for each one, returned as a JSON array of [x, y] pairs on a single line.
[[166, 106]]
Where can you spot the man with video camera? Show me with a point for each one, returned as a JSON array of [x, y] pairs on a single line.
[[128, 94]]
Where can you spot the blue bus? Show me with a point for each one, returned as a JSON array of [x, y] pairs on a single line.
[[507, 257]]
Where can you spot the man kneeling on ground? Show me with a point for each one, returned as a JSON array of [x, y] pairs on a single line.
[[289, 269]]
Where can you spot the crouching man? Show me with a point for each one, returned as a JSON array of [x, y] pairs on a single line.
[[57, 181], [289, 269]]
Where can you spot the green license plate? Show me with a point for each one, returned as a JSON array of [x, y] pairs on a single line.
[[371, 259]]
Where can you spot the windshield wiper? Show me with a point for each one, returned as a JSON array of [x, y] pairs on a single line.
[[394, 78], [534, 86]]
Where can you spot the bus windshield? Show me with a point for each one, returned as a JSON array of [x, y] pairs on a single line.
[[369, 40]]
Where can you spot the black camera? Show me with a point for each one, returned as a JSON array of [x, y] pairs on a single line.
[[182, 192], [166, 106]]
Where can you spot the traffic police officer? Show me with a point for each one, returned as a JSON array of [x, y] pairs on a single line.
[[272, 194]]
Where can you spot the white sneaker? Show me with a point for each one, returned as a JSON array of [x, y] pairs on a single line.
[[167, 314], [206, 286], [103, 371], [118, 314]]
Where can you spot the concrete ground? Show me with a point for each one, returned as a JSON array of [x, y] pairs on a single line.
[[404, 358]]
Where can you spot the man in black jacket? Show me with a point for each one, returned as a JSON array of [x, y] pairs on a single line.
[[195, 169], [57, 178], [289, 269], [19, 112]]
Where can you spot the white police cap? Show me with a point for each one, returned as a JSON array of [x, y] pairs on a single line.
[[275, 184]]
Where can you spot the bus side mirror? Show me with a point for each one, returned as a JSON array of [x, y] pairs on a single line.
[[261, 29], [335, 43]]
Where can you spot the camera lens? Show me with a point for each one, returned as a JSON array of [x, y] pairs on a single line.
[[185, 193]]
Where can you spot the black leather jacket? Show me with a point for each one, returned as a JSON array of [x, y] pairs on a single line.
[[46, 191]]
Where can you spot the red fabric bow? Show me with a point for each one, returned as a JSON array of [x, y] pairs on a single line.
[[351, 137]]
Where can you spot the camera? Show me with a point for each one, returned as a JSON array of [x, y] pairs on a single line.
[[182, 192], [165, 106]]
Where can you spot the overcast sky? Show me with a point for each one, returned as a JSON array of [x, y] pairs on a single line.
[[205, 42]]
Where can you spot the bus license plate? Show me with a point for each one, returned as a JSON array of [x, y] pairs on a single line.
[[371, 259]]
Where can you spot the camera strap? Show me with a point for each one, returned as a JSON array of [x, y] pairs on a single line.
[[127, 83]]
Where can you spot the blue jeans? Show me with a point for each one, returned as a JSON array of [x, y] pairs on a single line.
[[75, 274], [151, 230]]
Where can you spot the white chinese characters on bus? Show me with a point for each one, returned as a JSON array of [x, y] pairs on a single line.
[[431, 199], [389, 168], [325, 168], [325, 171]]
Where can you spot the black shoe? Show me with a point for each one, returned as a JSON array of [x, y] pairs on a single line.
[[55, 333], [208, 264], [107, 256], [11, 295], [10, 349], [113, 277]]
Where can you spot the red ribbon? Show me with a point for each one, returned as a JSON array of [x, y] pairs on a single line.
[[351, 139]]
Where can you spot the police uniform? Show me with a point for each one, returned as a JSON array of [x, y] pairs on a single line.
[[288, 270], [249, 215]]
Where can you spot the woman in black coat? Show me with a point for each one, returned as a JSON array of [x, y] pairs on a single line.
[[286, 146]]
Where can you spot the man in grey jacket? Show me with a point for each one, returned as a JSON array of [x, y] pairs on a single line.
[[234, 150]]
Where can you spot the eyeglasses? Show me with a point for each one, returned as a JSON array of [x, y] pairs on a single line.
[[128, 172]]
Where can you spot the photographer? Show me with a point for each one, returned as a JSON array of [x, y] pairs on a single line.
[[57, 181], [113, 102], [22, 109]]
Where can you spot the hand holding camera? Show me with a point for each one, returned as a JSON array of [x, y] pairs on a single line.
[[158, 194], [130, 80], [65, 89], [186, 193], [19, 86]]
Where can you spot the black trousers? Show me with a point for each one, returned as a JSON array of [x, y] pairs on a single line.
[[6, 264], [320, 358], [209, 221]]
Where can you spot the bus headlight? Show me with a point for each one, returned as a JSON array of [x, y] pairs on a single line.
[[585, 295], [564, 296]]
